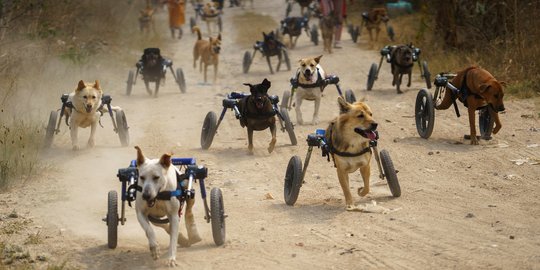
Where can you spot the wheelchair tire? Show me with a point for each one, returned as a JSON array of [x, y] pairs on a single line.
[[122, 128], [285, 99], [355, 33], [246, 62], [181, 80], [130, 82], [217, 216], [485, 123], [349, 96], [112, 219], [293, 180], [288, 126], [390, 173], [314, 34], [51, 128], [372, 76], [424, 113], [208, 130], [426, 74]]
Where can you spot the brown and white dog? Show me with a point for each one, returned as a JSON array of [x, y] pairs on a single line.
[[342, 135], [372, 21], [210, 15], [207, 51], [309, 76], [156, 175], [482, 90]]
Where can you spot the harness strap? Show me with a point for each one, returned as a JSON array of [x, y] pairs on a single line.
[[319, 83]]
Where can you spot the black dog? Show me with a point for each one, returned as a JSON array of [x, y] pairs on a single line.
[[270, 46], [258, 113], [402, 63], [152, 67]]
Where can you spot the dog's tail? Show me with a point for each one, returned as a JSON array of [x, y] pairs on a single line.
[[198, 30]]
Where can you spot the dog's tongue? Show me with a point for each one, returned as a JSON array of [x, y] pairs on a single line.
[[371, 135]]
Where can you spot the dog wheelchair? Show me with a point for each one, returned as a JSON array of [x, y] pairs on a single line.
[[129, 176], [199, 13], [119, 121], [267, 51], [211, 123], [355, 31], [299, 24], [386, 54], [288, 96], [295, 173], [149, 76], [313, 9], [424, 110]]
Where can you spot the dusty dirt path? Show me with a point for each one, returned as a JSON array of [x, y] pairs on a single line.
[[461, 207]]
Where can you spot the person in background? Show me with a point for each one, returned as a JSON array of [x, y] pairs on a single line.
[[339, 9], [177, 14]]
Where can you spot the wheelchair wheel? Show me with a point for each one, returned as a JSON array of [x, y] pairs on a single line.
[[220, 24], [130, 82], [287, 60], [349, 96], [247, 62], [426, 74], [314, 34], [192, 22], [288, 125], [217, 216], [390, 173], [390, 32], [208, 130], [424, 114], [350, 28], [112, 219], [293, 180], [372, 76], [122, 126], [51, 127], [355, 33], [485, 123], [285, 99], [181, 80]]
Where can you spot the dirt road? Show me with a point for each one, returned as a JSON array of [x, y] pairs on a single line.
[[462, 206]]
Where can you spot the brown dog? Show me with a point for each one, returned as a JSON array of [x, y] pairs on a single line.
[[349, 150], [258, 113], [372, 21], [478, 88], [401, 63], [208, 51], [327, 24], [146, 19]]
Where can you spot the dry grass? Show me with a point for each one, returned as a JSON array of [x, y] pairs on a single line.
[[257, 24]]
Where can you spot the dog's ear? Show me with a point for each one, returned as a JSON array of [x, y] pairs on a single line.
[[140, 156], [344, 107], [266, 84], [318, 58], [502, 83], [81, 85], [96, 85], [165, 161]]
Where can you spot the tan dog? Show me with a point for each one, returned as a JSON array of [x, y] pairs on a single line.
[[483, 90], [208, 51], [86, 101], [327, 24], [372, 21], [210, 15], [146, 19], [344, 141], [156, 175], [309, 74]]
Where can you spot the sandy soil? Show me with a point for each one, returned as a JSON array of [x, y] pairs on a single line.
[[462, 206]]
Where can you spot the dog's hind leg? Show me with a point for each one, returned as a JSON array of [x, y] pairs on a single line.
[[269, 64], [365, 172], [273, 141], [191, 227], [150, 234], [250, 140]]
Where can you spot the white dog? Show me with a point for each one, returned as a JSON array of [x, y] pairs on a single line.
[[309, 76], [155, 176]]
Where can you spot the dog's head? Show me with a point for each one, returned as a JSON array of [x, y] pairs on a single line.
[[308, 67], [88, 95], [358, 118], [403, 55], [378, 14], [151, 58], [259, 93], [492, 92], [147, 12], [215, 44], [211, 9], [152, 175], [270, 41]]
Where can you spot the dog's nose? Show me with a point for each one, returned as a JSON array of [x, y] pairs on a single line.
[[500, 108], [146, 196], [373, 126]]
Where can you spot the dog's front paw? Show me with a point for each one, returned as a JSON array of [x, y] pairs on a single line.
[[353, 208], [363, 191], [171, 262], [76, 148], [315, 121], [91, 143], [474, 141], [155, 252], [183, 241]]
